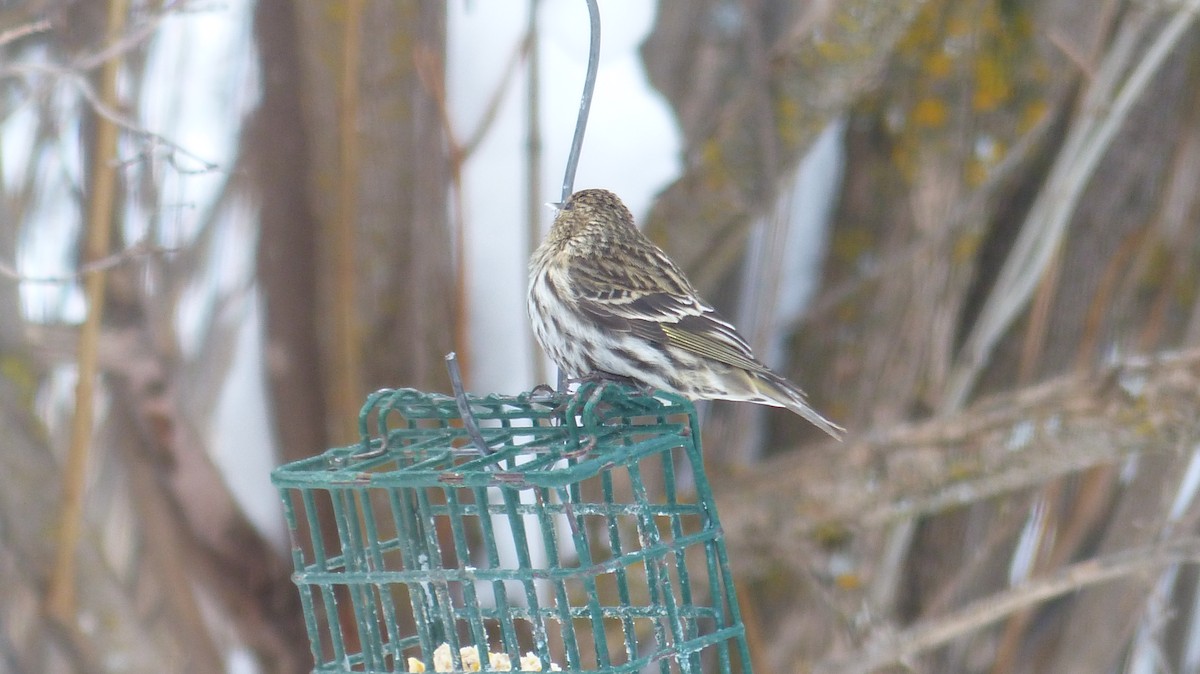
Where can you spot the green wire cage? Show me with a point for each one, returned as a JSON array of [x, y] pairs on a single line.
[[584, 538]]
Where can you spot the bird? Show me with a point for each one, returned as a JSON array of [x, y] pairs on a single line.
[[605, 300]]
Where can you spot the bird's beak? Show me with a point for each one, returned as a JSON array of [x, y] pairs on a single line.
[[556, 205]]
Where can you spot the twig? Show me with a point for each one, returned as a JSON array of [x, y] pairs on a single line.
[[430, 71], [964, 217], [431, 74], [136, 37], [102, 108], [346, 323], [464, 407], [585, 104], [1107, 107], [491, 110], [13, 34], [140, 249], [900, 647], [1003, 444], [60, 599]]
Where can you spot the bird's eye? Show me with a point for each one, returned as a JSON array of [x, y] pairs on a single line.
[[569, 206]]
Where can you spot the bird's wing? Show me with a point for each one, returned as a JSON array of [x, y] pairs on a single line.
[[713, 337], [641, 291]]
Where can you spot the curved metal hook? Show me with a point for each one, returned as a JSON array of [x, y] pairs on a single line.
[[585, 105]]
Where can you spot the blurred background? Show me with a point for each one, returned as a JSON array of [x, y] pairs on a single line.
[[967, 228]]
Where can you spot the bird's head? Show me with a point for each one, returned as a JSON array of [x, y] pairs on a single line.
[[591, 213]]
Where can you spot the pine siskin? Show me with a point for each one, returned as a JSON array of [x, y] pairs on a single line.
[[604, 298]]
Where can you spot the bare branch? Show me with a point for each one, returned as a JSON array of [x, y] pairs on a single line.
[[1000, 445], [899, 647], [61, 593], [1108, 103], [130, 40], [140, 249], [13, 34], [106, 111]]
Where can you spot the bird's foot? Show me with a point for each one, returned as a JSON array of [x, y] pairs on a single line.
[[600, 380], [600, 377], [542, 392], [590, 387]]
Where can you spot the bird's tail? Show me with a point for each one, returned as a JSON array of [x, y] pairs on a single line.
[[786, 394]]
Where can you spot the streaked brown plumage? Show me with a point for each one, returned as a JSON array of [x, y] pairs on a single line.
[[604, 298]]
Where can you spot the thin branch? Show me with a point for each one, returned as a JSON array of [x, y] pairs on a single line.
[[346, 378], [963, 217], [102, 108], [75, 73], [491, 111], [901, 647], [13, 34], [1107, 108], [138, 36], [1000, 445], [431, 75], [140, 249], [61, 592]]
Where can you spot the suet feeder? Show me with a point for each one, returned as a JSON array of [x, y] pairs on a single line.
[[584, 537]]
